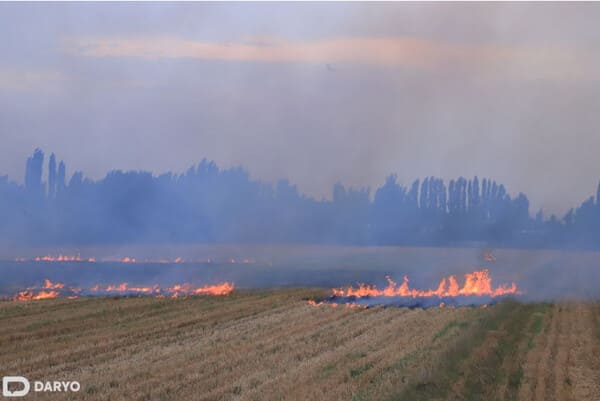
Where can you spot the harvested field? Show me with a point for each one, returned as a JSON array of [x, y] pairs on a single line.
[[272, 345]]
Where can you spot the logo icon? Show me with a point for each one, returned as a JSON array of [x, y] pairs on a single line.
[[6, 380]]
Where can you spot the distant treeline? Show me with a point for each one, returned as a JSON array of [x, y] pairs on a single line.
[[208, 204]]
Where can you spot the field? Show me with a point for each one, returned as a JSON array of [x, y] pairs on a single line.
[[273, 345]]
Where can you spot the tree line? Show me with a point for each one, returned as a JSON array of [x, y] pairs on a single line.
[[209, 204]]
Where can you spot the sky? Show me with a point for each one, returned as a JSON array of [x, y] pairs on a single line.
[[314, 92]]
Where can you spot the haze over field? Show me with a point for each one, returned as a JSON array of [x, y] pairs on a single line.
[[300, 201], [313, 92], [396, 124]]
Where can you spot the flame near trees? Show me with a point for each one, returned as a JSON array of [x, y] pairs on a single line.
[[54, 290]]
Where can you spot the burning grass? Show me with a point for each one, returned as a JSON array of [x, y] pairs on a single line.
[[49, 290], [476, 290]]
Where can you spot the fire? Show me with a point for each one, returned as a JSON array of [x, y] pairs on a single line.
[[477, 288], [477, 283], [129, 259], [55, 289], [47, 291], [220, 289], [58, 258], [184, 290], [50, 285], [32, 296]]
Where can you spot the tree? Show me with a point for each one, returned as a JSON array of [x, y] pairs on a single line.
[[52, 177]]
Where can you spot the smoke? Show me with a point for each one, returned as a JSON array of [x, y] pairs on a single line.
[[519, 105], [540, 275], [503, 90]]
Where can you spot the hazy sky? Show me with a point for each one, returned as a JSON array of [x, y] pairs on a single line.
[[313, 92]]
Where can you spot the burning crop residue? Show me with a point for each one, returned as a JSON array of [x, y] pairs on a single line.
[[57, 258], [60, 258], [476, 290], [49, 290]]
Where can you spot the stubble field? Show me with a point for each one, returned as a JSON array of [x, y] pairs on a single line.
[[273, 345]]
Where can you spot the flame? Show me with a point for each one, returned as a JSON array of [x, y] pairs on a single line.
[[32, 296], [476, 283], [50, 289], [220, 289], [183, 290], [47, 291], [58, 258], [128, 259], [54, 286]]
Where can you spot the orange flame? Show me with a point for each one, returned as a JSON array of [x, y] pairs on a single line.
[[220, 289], [32, 296], [47, 291], [53, 286], [53, 290], [476, 283], [183, 290]]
